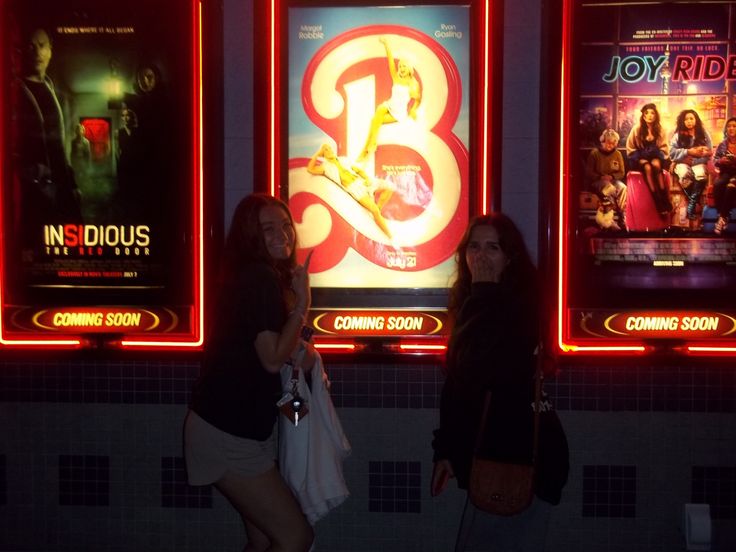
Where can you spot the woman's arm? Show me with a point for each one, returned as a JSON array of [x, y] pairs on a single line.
[[721, 157], [591, 166], [274, 348], [663, 145], [389, 57], [677, 153]]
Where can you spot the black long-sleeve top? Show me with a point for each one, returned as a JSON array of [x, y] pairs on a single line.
[[492, 349]]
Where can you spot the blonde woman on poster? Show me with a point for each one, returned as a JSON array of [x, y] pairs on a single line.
[[406, 95], [353, 180]]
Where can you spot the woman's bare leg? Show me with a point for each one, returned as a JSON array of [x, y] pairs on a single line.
[[265, 503], [381, 117], [377, 216], [257, 540]]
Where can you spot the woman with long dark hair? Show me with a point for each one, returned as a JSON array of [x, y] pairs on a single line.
[[494, 307], [690, 151], [647, 150], [229, 433]]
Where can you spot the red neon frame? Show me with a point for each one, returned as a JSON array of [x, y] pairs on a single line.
[[564, 344], [485, 104], [194, 340]]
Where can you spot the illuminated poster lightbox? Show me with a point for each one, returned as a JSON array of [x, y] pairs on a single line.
[[647, 218], [382, 126], [378, 142], [100, 183]]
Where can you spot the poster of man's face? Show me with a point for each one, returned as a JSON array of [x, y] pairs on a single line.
[[378, 142]]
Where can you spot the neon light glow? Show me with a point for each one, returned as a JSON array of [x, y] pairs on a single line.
[[348, 347], [272, 99], [562, 260], [484, 115], [193, 336], [421, 347], [333, 100], [198, 172], [712, 349]]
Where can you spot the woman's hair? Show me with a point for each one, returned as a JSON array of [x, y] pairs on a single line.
[[656, 125], [406, 61], [132, 114], [683, 139], [245, 243], [725, 127], [519, 276]]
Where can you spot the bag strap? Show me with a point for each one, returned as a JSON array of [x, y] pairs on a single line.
[[537, 406], [538, 375]]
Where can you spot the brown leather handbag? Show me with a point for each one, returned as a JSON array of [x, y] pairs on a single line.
[[503, 488]]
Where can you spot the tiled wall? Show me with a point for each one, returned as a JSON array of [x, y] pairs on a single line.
[[90, 459]]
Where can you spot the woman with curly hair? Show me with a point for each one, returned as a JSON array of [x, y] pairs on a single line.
[[690, 150]]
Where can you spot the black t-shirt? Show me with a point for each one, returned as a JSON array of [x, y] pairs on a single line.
[[235, 393]]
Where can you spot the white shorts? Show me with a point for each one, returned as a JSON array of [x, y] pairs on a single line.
[[210, 453]]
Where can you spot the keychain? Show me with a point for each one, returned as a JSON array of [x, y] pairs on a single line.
[[292, 404]]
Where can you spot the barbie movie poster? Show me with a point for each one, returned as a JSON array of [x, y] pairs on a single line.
[[378, 142], [653, 194], [96, 186]]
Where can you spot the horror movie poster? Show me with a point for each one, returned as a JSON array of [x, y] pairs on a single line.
[[378, 142], [97, 176], [652, 196]]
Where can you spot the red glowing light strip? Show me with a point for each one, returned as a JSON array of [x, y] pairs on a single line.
[[562, 246], [273, 88], [335, 346], [484, 115], [272, 97], [561, 250], [421, 347], [699, 349], [197, 171], [198, 220], [562, 213]]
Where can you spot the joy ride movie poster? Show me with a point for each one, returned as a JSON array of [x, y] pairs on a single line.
[[653, 162], [378, 142]]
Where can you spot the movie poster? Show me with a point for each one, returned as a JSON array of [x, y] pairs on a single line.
[[378, 140], [97, 181], [653, 194]]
